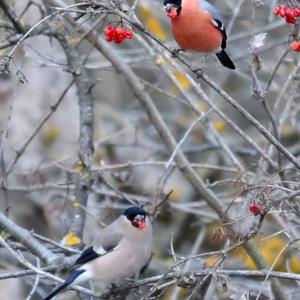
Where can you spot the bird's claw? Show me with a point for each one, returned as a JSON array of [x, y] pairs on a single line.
[[198, 72], [176, 51]]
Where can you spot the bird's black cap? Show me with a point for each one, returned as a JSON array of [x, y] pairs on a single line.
[[133, 211], [177, 3]]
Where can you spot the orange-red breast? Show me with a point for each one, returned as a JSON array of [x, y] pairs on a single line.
[[198, 26]]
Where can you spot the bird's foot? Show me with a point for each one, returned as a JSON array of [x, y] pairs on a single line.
[[132, 284], [176, 52], [198, 72], [114, 289], [130, 280]]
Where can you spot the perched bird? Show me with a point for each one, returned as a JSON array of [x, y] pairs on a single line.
[[121, 250], [197, 26]]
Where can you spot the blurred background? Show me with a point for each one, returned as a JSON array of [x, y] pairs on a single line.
[[39, 147]]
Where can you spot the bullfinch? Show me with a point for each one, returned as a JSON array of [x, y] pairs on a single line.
[[197, 25], [121, 250]]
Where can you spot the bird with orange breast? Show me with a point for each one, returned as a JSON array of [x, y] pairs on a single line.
[[198, 26]]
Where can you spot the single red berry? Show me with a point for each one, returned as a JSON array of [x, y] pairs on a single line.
[[253, 208], [257, 209], [294, 12], [109, 29], [288, 12], [119, 41], [276, 11], [295, 45], [297, 12], [282, 10], [109, 33], [129, 34]]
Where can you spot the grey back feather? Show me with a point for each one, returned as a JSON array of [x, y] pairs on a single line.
[[110, 236], [207, 6], [217, 19]]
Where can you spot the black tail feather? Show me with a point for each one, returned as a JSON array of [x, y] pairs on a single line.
[[68, 282], [225, 60], [57, 290]]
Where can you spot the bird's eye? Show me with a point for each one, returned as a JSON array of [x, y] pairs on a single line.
[[139, 217]]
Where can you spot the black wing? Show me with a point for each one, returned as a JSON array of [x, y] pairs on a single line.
[[86, 256], [218, 24], [105, 246]]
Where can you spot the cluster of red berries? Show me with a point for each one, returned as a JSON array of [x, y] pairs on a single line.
[[117, 34], [258, 210], [289, 13]]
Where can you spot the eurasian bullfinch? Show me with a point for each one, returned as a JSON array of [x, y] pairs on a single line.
[[121, 250], [198, 26]]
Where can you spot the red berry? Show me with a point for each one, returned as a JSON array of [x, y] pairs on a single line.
[[109, 33], [120, 31], [109, 29], [276, 11], [293, 12], [129, 34], [297, 12], [295, 45], [288, 12], [118, 41], [290, 19], [257, 209], [282, 12]]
